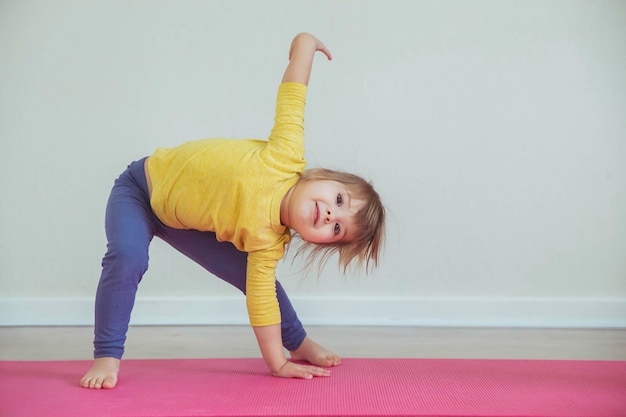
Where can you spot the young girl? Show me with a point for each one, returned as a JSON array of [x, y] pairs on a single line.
[[229, 205]]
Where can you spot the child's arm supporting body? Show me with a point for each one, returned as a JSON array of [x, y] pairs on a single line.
[[301, 54]]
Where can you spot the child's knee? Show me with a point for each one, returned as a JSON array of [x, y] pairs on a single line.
[[126, 261]]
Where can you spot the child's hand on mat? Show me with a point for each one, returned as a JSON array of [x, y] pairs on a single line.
[[294, 370]]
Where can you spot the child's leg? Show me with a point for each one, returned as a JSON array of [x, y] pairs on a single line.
[[129, 225], [224, 260], [129, 228]]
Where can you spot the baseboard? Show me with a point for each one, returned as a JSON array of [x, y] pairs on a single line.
[[355, 311]]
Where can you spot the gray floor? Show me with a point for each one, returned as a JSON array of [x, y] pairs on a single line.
[[70, 343]]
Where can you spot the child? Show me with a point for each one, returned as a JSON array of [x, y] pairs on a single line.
[[230, 205]]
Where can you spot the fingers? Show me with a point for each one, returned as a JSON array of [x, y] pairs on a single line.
[[293, 370], [309, 372], [322, 48], [315, 371], [316, 43]]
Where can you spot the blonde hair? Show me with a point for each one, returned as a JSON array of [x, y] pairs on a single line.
[[367, 244]]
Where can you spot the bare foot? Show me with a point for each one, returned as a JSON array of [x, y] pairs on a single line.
[[311, 352], [103, 374]]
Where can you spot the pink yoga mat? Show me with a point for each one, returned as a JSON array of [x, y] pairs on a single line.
[[358, 387]]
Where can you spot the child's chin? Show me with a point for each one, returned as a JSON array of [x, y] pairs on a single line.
[[309, 239]]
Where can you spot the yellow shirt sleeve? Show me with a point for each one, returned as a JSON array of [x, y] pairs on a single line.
[[261, 298], [285, 149]]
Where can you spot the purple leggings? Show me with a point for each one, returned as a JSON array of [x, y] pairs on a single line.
[[130, 225]]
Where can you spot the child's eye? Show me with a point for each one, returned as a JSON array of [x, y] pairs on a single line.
[[337, 228], [339, 200]]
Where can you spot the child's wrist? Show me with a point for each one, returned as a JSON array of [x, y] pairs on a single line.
[[275, 370]]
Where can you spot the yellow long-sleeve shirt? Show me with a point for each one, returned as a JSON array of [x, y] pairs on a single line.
[[234, 188]]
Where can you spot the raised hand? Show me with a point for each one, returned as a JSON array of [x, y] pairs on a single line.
[[303, 48], [307, 37]]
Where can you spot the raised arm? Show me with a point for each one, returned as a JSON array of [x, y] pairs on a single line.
[[303, 48], [301, 54]]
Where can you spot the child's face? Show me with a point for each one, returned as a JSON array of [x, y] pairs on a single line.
[[322, 212]]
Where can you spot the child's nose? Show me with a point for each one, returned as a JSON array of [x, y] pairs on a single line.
[[329, 216]]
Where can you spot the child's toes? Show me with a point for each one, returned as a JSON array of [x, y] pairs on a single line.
[[329, 360], [109, 382], [326, 361]]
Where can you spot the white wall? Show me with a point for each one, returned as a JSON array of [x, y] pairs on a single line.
[[494, 130]]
